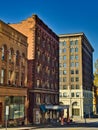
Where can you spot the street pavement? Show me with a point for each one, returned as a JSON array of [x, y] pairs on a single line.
[[79, 123]]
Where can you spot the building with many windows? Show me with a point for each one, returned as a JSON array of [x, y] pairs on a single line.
[[76, 74], [13, 75], [43, 69]]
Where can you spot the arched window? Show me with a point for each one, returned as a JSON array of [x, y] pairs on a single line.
[[11, 53], [23, 59], [4, 52], [17, 58], [3, 74]]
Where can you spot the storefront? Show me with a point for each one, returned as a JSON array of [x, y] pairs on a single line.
[[53, 112], [14, 102]]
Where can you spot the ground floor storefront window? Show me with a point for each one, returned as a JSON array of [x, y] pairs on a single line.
[[75, 112], [16, 107]]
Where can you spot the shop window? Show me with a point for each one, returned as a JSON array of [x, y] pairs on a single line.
[[75, 112], [16, 108]]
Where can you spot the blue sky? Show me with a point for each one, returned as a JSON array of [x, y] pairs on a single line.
[[62, 16]]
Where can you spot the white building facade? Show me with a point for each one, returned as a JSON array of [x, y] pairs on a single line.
[[76, 74]]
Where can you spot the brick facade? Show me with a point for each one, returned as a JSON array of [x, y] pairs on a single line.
[[43, 74], [13, 72]]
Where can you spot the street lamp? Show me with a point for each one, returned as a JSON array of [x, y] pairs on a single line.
[[6, 110]]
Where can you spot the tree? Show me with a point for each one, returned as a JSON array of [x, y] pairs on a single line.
[[96, 74]]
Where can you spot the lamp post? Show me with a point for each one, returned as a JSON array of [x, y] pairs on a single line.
[[6, 114], [6, 111]]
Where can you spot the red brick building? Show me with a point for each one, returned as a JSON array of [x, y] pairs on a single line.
[[13, 75], [43, 68]]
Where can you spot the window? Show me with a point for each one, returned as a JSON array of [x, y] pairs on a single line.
[[75, 111], [64, 79], [72, 57], [64, 94], [38, 83], [2, 76], [17, 58], [72, 71], [72, 64], [64, 43], [72, 79], [9, 77], [72, 86], [17, 78], [76, 57], [64, 50], [77, 94], [38, 53], [23, 59], [60, 50], [76, 42], [38, 68], [11, 52], [37, 99], [64, 87], [76, 49], [72, 50], [72, 43], [72, 94], [64, 72], [64, 65], [4, 52], [77, 86], [77, 71], [77, 64], [64, 57], [77, 79]]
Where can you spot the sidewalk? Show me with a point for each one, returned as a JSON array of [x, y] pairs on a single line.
[[88, 122], [18, 128]]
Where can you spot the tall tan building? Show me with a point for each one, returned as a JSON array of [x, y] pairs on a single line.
[[13, 75], [76, 74], [43, 70]]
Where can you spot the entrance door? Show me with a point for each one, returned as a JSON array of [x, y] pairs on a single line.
[[0, 112]]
